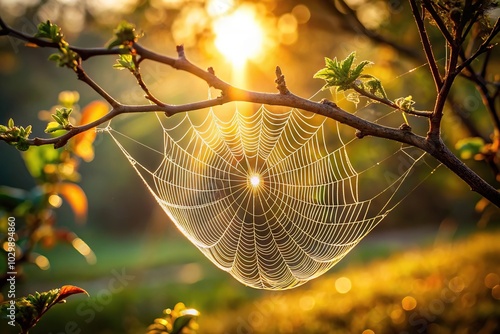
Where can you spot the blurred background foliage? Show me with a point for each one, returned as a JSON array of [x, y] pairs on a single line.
[[126, 231]]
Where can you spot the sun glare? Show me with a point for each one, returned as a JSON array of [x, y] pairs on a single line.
[[239, 36], [255, 180]]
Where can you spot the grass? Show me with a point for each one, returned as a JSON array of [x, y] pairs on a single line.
[[441, 289], [447, 288]]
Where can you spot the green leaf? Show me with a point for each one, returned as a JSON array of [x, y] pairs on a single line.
[[347, 63], [183, 320], [340, 74], [331, 63], [405, 103], [126, 61], [57, 118], [375, 87], [43, 30], [53, 126], [10, 123], [124, 34], [50, 31], [22, 145], [324, 73], [359, 68], [469, 147], [38, 157], [55, 57]]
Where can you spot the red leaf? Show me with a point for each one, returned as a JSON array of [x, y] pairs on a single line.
[[68, 290]]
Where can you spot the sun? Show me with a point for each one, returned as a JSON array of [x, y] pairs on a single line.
[[239, 36]]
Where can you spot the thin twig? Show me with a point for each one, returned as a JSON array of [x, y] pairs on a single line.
[[442, 27], [485, 46], [138, 76], [82, 76], [390, 103], [426, 44]]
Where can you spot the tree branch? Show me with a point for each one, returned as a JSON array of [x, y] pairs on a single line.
[[85, 53], [229, 93]]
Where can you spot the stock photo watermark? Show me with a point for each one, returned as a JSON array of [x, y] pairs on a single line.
[[11, 269]]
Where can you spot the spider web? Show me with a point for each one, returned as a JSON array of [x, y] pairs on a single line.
[[272, 197]]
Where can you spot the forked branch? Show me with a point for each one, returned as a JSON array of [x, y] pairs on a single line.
[[229, 93]]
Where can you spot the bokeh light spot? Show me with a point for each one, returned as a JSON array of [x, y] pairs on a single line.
[[287, 27], [491, 280], [456, 284], [84, 249], [343, 285], [307, 303], [368, 331], [301, 13], [42, 262], [287, 23], [190, 273], [408, 303], [55, 201], [468, 300], [397, 316], [495, 292]]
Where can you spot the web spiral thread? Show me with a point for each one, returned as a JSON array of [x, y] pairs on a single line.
[[272, 198]]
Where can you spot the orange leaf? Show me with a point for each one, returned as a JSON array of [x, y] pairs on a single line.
[[83, 141], [68, 290], [76, 198], [83, 148], [93, 110]]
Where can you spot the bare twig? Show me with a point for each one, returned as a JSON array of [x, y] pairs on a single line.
[[142, 84], [390, 103], [435, 16], [280, 81], [485, 46], [426, 44], [82, 76]]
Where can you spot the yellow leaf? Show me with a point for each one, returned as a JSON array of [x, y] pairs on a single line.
[[76, 198]]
